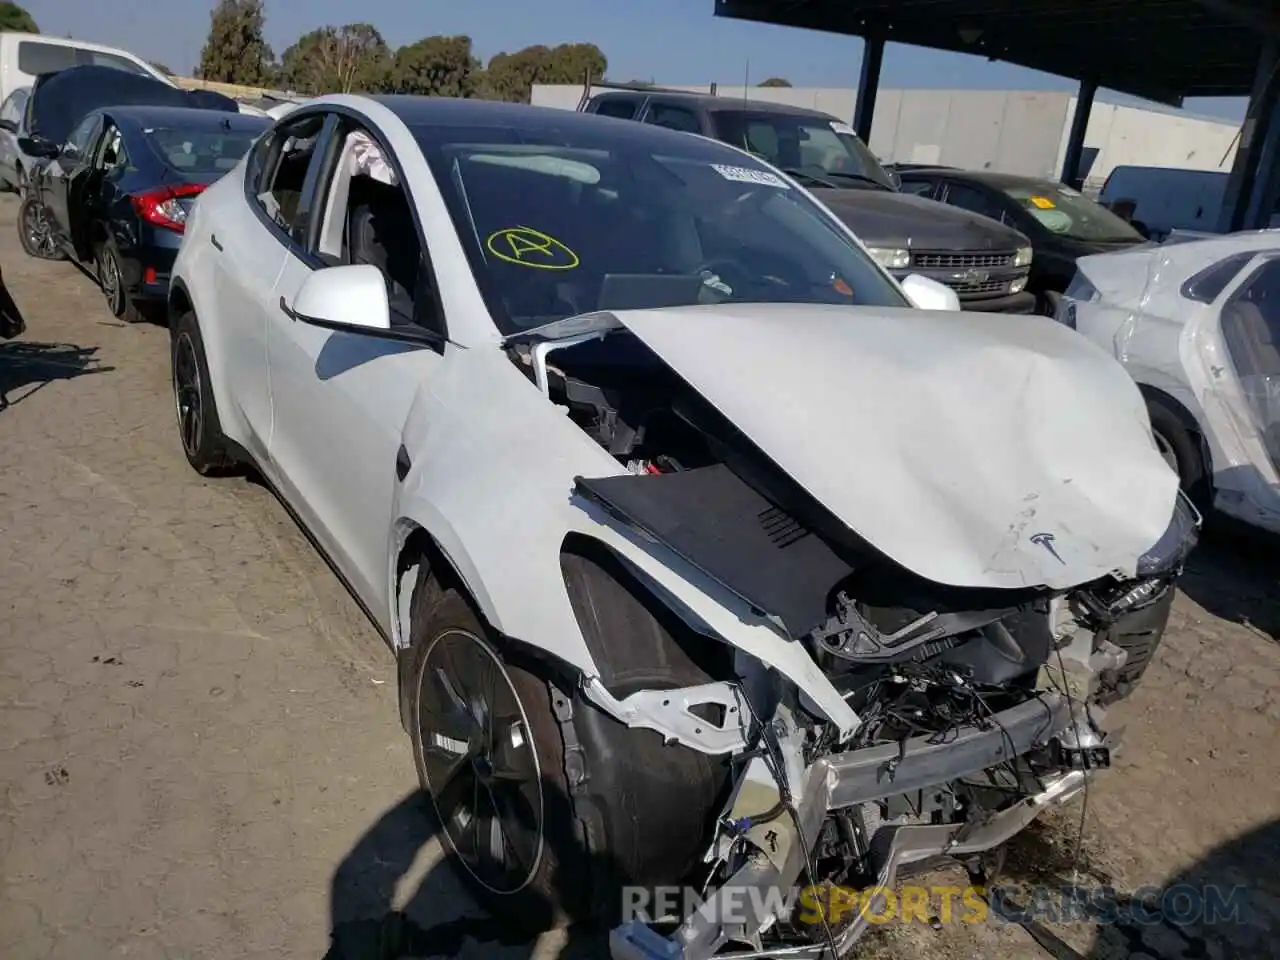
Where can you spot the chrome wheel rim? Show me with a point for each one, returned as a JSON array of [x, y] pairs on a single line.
[[109, 278], [479, 763], [1166, 450], [38, 232], [187, 393]]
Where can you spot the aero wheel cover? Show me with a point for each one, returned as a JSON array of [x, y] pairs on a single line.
[[479, 763], [188, 394]]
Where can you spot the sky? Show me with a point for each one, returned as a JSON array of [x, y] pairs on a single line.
[[665, 41]]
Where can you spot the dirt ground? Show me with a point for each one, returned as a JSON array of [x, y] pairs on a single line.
[[199, 745]]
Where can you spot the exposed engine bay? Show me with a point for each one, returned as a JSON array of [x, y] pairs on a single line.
[[978, 707]]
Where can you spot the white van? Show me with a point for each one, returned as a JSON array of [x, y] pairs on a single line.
[[23, 56]]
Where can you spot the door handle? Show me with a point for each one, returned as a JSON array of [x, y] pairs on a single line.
[[213, 238], [403, 463], [287, 310]]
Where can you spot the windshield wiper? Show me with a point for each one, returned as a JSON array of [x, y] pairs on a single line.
[[812, 178], [861, 178]]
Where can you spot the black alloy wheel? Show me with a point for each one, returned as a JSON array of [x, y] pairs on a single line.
[[478, 761]]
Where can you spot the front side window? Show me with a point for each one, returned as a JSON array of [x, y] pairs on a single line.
[[79, 138], [974, 200], [803, 145], [591, 222]]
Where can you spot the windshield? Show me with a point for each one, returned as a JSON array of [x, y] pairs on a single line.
[[598, 221], [821, 148], [200, 151], [1063, 211]]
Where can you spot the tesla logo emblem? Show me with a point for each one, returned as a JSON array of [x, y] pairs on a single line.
[[1046, 540]]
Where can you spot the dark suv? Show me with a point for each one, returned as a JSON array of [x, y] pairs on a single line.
[[985, 262]]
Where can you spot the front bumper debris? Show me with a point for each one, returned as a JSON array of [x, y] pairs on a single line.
[[843, 780]]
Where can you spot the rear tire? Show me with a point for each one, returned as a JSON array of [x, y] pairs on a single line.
[[1138, 634], [1184, 450], [35, 232], [198, 426], [111, 279]]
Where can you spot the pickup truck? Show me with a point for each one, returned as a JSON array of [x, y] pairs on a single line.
[[985, 262]]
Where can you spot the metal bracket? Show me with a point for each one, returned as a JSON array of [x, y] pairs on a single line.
[[670, 713]]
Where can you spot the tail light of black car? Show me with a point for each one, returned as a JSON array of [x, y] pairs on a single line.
[[166, 207]]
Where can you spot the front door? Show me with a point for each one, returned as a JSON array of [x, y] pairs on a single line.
[[65, 174], [341, 398]]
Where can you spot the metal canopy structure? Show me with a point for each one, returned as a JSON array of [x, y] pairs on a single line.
[[1163, 50]]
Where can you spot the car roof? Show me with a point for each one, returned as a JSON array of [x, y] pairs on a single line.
[[710, 101], [445, 111], [990, 178], [186, 118]]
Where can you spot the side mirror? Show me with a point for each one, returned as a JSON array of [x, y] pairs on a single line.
[[39, 147], [351, 298], [926, 294]]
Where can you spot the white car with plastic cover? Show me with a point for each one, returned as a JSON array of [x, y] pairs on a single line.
[[1197, 325], [684, 525]]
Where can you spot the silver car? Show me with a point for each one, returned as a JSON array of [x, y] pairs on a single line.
[[14, 164]]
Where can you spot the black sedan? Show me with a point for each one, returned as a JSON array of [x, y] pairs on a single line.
[[1061, 223], [119, 193]]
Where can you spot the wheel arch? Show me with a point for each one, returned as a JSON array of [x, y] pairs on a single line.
[[1188, 419]]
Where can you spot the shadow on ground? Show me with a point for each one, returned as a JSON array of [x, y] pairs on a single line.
[[439, 918], [1235, 574], [25, 364], [1225, 906]]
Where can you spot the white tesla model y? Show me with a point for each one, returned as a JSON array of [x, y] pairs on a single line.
[[706, 554]]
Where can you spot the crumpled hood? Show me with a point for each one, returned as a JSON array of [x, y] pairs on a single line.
[[980, 450], [884, 219]]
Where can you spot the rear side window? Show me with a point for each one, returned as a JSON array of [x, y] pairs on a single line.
[[1206, 285], [618, 107], [199, 151], [35, 58]]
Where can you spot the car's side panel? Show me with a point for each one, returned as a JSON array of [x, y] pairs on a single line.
[[492, 479], [237, 261], [339, 401]]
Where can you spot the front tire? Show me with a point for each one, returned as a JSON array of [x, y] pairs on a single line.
[[489, 754], [198, 427], [35, 231]]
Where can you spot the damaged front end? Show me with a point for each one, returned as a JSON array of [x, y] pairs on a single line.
[[977, 706]]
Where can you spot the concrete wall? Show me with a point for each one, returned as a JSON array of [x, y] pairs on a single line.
[[1130, 135], [1009, 131]]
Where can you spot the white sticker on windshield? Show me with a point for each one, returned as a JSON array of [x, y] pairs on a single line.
[[843, 128], [747, 175]]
